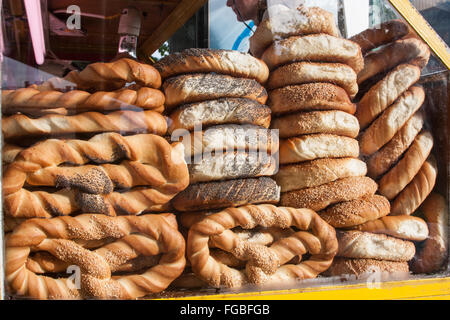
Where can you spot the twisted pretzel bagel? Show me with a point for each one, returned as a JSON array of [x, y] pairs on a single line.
[[434, 252], [402, 227], [308, 97], [221, 111], [148, 235], [107, 76], [410, 198], [224, 194], [265, 265], [316, 146], [198, 87], [30, 101], [310, 72], [318, 198], [363, 268], [384, 128], [381, 34], [380, 162], [317, 172], [314, 48], [330, 122], [289, 22], [230, 62], [412, 51], [126, 121], [355, 212], [365, 245], [386, 92], [393, 182]]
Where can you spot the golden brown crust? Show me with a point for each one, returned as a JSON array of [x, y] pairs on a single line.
[[318, 198], [263, 263], [134, 237], [20, 125], [381, 161], [199, 87], [317, 172], [396, 179], [310, 72], [365, 245], [308, 97], [230, 62], [328, 122], [316, 146], [221, 111], [417, 190], [384, 128], [356, 212], [362, 268], [10, 152], [223, 194], [315, 48], [434, 252]]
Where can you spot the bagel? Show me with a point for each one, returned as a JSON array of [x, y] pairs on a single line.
[[412, 51], [365, 245], [221, 111], [381, 34], [396, 179], [308, 97], [231, 165], [383, 129], [290, 22], [318, 198], [381, 161], [317, 172], [363, 268], [314, 48], [316, 146], [432, 255], [328, 122], [199, 87], [310, 72], [385, 92], [224, 194], [417, 190], [356, 212], [229, 62], [402, 227]]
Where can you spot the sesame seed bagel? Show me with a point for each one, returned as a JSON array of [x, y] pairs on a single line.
[[318, 198], [356, 212], [230, 62], [316, 146], [365, 245], [317, 172], [363, 268], [330, 122], [309, 97], [310, 72]]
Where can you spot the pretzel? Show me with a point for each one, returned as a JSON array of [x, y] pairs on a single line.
[[30, 101], [265, 265], [134, 237], [112, 75], [20, 125], [150, 161]]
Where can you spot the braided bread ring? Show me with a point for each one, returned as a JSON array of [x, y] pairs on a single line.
[[263, 266], [106, 76], [29, 100], [19, 125], [431, 257], [233, 63], [403, 227], [417, 190], [145, 235], [393, 182]]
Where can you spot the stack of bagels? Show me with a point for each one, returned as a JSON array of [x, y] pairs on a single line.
[[215, 100]]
